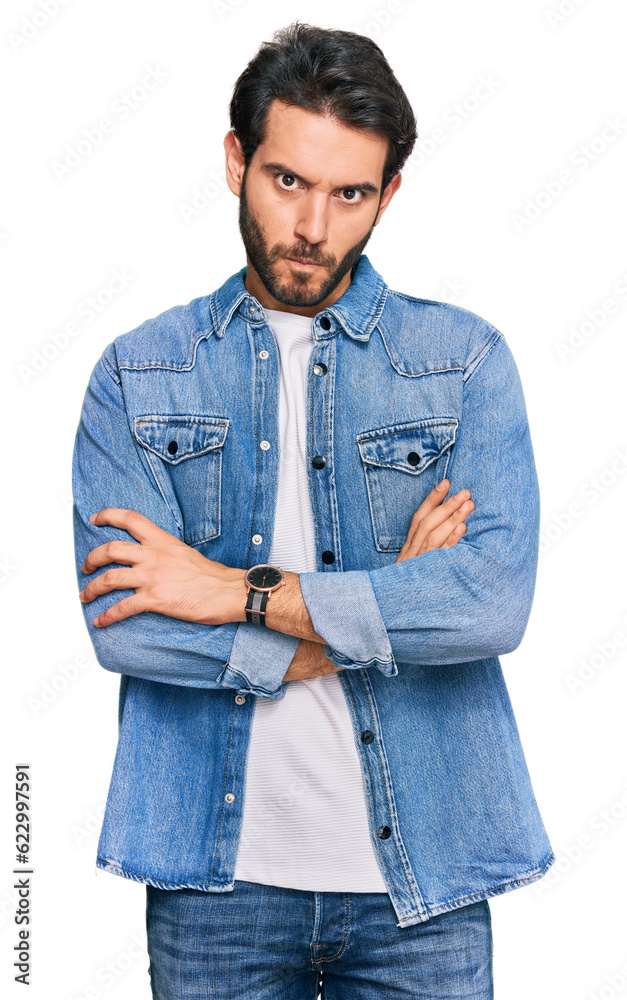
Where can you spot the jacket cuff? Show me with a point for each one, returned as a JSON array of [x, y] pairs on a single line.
[[258, 661], [344, 612]]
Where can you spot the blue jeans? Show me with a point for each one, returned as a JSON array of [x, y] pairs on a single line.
[[263, 942]]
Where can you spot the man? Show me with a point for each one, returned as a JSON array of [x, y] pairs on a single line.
[[319, 776]]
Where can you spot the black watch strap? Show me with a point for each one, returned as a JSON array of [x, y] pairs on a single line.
[[256, 607]]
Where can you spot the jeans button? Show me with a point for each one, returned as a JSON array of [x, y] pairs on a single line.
[[384, 832]]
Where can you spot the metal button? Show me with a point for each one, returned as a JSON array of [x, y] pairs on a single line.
[[229, 797], [413, 458], [265, 445], [257, 539], [384, 832], [320, 368], [367, 736], [263, 355], [173, 447], [328, 557], [251, 309], [318, 462], [325, 322], [240, 699]]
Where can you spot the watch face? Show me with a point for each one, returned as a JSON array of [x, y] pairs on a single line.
[[264, 577]]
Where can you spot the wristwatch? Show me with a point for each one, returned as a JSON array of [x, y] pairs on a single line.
[[261, 581]]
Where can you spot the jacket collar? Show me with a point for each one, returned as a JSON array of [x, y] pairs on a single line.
[[356, 311]]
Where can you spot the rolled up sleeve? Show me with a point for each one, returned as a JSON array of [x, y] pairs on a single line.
[[334, 600], [258, 661]]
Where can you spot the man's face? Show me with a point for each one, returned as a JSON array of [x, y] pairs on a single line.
[[312, 191]]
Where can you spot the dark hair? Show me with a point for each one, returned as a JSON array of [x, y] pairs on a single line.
[[326, 72]]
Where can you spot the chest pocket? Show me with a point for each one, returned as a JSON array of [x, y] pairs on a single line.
[[185, 454], [402, 463]]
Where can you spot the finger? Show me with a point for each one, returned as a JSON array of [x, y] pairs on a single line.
[[435, 513], [416, 548], [432, 500], [428, 508], [117, 550], [138, 525], [421, 526], [112, 579], [117, 612], [438, 535], [455, 536]]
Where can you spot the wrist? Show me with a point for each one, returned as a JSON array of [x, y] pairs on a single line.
[[237, 589], [286, 610], [309, 661]]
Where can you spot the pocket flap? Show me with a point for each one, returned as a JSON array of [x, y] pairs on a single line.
[[410, 447], [175, 437]]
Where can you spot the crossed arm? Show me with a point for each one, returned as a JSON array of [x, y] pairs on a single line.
[[454, 603], [174, 579]]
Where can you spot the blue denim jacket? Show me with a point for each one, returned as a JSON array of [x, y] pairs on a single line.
[[402, 392]]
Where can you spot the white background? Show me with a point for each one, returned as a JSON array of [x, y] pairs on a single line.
[[461, 229]]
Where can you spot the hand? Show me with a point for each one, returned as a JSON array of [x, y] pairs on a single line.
[[437, 524], [167, 575], [309, 661]]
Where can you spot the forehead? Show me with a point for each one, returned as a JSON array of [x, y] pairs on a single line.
[[319, 147]]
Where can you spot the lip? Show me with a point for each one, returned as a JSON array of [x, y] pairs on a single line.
[[303, 263]]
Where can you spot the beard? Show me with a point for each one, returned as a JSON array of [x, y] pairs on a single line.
[[295, 291]]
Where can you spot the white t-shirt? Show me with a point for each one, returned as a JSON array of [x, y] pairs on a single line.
[[305, 821]]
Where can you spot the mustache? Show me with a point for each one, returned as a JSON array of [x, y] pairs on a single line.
[[302, 255]]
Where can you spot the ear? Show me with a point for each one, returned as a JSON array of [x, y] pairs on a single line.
[[234, 162], [389, 192]]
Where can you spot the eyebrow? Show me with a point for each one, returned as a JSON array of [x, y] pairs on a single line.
[[280, 167]]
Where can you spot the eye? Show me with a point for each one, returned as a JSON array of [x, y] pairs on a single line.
[[357, 196], [289, 183], [289, 186]]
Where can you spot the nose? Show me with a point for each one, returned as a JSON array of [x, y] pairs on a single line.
[[312, 222]]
